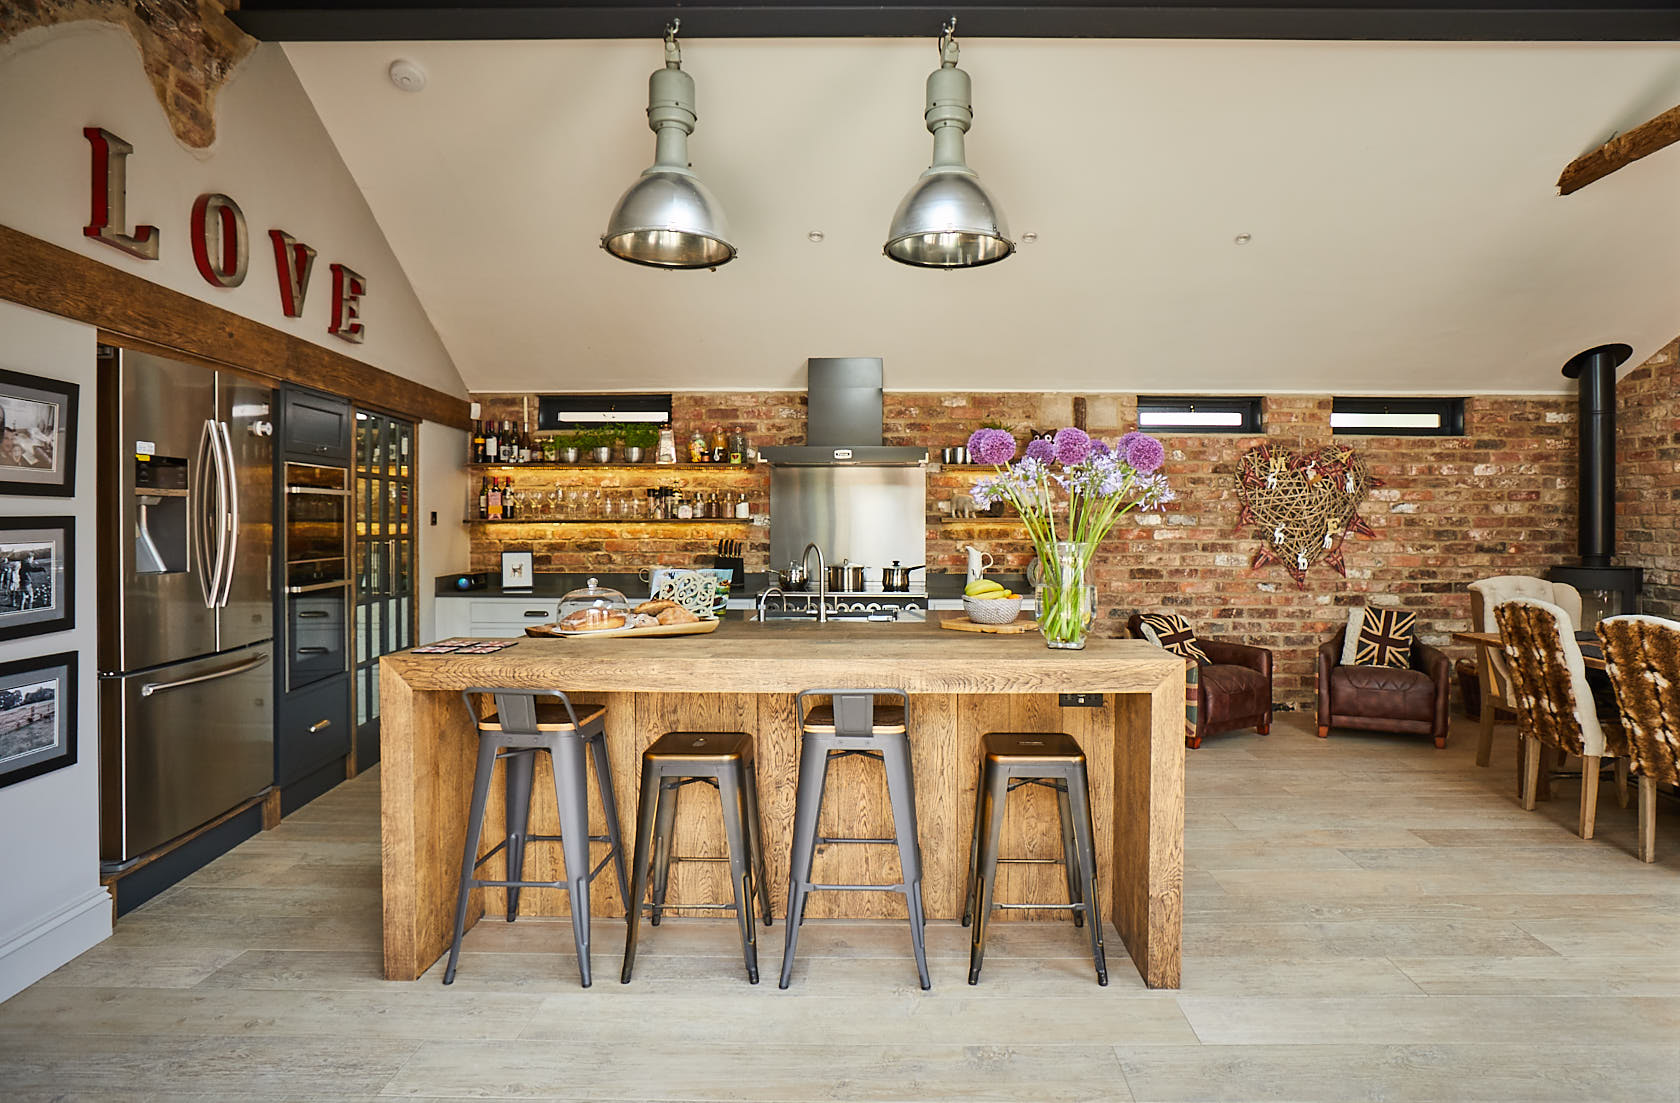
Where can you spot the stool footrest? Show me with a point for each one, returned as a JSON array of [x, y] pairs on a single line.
[[697, 858], [476, 883], [1081, 907], [1030, 861], [846, 839], [857, 888], [648, 909]]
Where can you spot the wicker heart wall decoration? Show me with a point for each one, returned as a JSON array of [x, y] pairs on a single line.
[[1304, 505]]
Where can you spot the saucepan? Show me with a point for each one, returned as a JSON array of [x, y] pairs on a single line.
[[896, 579], [846, 578]]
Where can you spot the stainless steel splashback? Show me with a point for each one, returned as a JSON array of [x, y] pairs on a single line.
[[869, 515]]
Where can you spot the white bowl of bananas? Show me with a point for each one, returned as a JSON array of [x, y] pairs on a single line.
[[988, 602]]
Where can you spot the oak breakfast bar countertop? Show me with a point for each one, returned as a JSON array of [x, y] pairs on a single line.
[[743, 677]]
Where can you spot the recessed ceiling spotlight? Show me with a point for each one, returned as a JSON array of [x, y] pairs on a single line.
[[816, 237], [1029, 237], [407, 75], [1242, 239]]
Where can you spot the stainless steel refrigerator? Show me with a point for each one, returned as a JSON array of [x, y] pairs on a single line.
[[186, 639]]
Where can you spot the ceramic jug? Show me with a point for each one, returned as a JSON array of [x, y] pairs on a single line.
[[978, 561]]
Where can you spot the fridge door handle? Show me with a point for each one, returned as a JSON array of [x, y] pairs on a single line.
[[209, 573], [149, 688], [230, 519]]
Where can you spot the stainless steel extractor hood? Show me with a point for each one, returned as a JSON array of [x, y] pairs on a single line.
[[843, 422]]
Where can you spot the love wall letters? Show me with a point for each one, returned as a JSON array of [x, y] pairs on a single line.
[[221, 242]]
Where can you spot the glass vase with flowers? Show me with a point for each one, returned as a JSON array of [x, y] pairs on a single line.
[[1069, 489]]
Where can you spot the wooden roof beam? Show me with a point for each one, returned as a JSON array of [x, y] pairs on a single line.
[[1621, 151]]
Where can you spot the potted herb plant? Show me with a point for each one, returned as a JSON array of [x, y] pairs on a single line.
[[638, 438]]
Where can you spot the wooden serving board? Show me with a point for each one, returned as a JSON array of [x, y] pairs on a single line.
[[961, 623], [693, 628]]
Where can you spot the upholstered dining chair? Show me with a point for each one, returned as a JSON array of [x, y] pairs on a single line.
[[1642, 657], [1555, 705], [1492, 671]]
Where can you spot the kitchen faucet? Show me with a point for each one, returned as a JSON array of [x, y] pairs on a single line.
[[822, 579]]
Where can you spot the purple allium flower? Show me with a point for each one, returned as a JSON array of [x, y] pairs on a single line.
[[1041, 449], [993, 446], [1099, 449], [1144, 453], [1072, 446]]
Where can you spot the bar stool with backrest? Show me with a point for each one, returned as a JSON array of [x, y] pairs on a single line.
[[514, 731], [853, 723], [1008, 761], [723, 760]]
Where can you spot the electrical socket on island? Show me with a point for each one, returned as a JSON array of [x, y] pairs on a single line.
[[1080, 700]]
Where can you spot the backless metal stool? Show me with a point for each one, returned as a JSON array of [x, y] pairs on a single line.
[[723, 760], [853, 724], [1010, 760], [523, 725]]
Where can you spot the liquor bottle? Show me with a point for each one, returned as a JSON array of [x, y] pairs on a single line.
[[484, 499], [477, 453], [495, 500]]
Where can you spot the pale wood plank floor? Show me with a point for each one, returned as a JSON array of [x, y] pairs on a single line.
[[1366, 918]]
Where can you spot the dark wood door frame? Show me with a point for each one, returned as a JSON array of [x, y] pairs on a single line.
[[49, 278]]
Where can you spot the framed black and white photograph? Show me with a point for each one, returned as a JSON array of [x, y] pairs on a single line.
[[516, 570], [37, 716], [37, 435], [37, 585]]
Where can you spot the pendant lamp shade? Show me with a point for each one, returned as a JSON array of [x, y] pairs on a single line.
[[948, 219], [668, 218]]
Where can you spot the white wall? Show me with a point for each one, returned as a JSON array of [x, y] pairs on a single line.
[[52, 906], [271, 155], [443, 488]]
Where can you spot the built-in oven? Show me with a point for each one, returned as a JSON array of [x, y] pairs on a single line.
[[317, 536]]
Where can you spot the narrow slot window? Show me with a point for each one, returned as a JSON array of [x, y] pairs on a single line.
[[1191, 414]]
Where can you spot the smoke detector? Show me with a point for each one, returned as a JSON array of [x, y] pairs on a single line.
[[407, 75]]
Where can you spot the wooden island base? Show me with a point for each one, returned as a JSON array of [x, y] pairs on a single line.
[[743, 678]]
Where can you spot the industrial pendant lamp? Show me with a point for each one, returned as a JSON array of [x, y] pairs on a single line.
[[668, 218], [947, 220]]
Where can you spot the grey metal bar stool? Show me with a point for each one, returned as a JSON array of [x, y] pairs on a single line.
[[519, 726], [1010, 760], [853, 724], [723, 760]]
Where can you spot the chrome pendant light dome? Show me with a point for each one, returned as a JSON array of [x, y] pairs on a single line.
[[947, 219], [668, 218]]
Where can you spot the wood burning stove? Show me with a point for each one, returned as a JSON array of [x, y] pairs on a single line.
[[1606, 590]]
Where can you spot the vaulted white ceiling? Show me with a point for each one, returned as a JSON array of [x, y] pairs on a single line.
[[1405, 231]]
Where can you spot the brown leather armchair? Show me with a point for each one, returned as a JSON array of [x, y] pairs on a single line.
[[1412, 701], [1233, 691]]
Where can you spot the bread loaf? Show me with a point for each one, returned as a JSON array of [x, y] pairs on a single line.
[[656, 606], [676, 614]]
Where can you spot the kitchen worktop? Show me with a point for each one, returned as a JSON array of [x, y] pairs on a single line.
[[940, 585], [743, 677]]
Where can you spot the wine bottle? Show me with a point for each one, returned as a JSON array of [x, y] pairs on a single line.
[[495, 500], [484, 499]]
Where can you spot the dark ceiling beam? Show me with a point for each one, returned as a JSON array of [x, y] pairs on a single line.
[[1536, 21], [1621, 151]]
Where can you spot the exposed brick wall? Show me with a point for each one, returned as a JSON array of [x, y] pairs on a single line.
[[1648, 477], [188, 48], [1500, 499]]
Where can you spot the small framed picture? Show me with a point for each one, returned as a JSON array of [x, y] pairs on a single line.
[[37, 716], [516, 570], [37, 435], [37, 590]]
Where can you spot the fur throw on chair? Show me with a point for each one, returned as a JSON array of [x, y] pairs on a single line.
[[1643, 658]]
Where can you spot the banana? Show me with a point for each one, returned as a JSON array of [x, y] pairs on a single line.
[[984, 587]]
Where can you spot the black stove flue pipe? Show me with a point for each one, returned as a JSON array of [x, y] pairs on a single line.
[[1596, 371]]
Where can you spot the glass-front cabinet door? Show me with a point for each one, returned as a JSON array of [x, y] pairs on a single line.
[[385, 606]]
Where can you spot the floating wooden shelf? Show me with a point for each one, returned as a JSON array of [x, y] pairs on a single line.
[[590, 465], [608, 521]]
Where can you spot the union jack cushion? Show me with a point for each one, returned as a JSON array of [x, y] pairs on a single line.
[[1172, 632], [1385, 638]]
